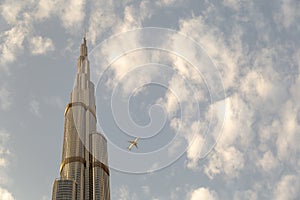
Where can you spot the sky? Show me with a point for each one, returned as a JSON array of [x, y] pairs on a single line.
[[211, 87]]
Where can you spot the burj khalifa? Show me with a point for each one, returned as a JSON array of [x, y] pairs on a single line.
[[84, 172]]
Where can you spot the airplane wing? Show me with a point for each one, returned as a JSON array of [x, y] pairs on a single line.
[[133, 143], [130, 146]]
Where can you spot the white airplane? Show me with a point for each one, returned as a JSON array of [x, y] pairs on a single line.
[[133, 143]]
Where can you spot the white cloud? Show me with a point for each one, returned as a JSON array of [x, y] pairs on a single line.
[[4, 137], [5, 156], [5, 195], [235, 4], [54, 101], [227, 158], [44, 9], [295, 88], [194, 150], [233, 161], [3, 162], [128, 70], [178, 93], [171, 102], [226, 161], [168, 2], [123, 193], [268, 133], [255, 91], [102, 18], [175, 193], [73, 13], [256, 85], [288, 137], [229, 155], [70, 12], [40, 45], [134, 16], [287, 188], [10, 10], [5, 98], [288, 13], [35, 107], [4, 151], [226, 56], [130, 19], [12, 45], [22, 17], [203, 193], [146, 189], [268, 161], [191, 132], [45, 197], [245, 195], [237, 123]]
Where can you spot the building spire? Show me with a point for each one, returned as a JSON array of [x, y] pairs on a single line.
[[83, 47], [84, 36]]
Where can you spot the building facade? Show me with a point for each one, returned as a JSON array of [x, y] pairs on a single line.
[[84, 172]]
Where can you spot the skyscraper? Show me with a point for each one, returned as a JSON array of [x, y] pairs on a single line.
[[84, 172]]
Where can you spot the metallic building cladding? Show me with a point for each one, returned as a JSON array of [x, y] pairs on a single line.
[[100, 175], [73, 147], [64, 190], [84, 172]]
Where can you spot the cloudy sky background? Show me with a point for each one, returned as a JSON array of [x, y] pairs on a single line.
[[255, 46]]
